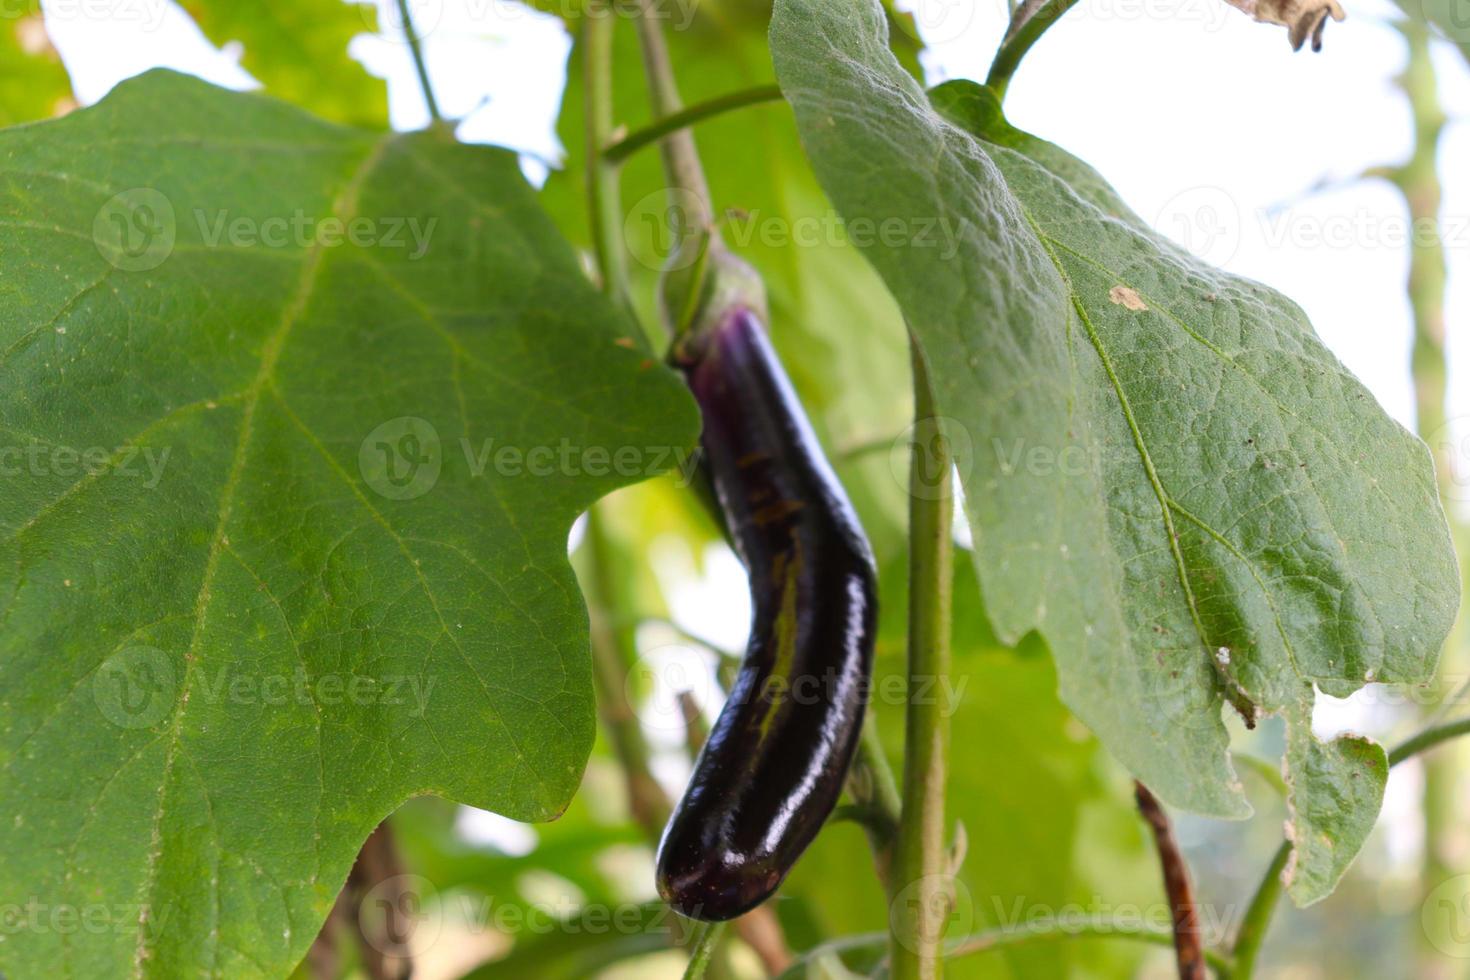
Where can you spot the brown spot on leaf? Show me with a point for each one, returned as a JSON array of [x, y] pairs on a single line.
[[1128, 297]]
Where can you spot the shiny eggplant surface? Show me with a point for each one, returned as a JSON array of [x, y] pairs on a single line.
[[773, 767]]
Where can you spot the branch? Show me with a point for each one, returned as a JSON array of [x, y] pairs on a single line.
[[1188, 949], [920, 862], [681, 158], [1031, 20], [416, 49], [1110, 928], [621, 150], [604, 210]]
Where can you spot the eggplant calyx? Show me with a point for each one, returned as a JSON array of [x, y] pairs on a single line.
[[703, 282]]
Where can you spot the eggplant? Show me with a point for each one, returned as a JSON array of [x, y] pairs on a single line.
[[773, 766]]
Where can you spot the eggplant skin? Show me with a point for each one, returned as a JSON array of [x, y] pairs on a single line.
[[773, 767]]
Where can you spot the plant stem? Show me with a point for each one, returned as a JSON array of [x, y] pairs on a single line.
[[877, 803], [1123, 929], [921, 872], [1188, 949], [1030, 21], [684, 118], [1258, 914], [1426, 740], [681, 158], [706, 938], [604, 209], [416, 49], [1418, 181]]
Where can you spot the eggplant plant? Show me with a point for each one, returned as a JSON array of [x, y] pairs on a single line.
[[374, 519]]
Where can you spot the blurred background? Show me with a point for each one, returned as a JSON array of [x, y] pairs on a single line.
[[1328, 176]]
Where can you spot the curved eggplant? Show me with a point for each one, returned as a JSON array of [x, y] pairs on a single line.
[[774, 764]]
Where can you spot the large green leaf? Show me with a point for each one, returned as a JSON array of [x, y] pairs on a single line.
[[33, 81], [1167, 475], [298, 51], [253, 592]]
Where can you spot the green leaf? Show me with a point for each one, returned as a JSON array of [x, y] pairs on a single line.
[[1168, 476], [253, 592], [33, 81], [298, 51]]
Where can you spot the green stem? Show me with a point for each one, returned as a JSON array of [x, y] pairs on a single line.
[[876, 801], [416, 49], [681, 158], [1039, 933], [1031, 21], [1258, 914], [920, 871], [706, 938], [604, 210], [1426, 740], [1418, 181], [684, 118]]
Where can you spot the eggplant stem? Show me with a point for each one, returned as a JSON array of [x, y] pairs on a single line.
[[921, 873], [680, 156], [1178, 889], [620, 150], [415, 48], [1028, 23]]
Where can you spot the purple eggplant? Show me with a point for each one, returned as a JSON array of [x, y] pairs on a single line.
[[774, 764]]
